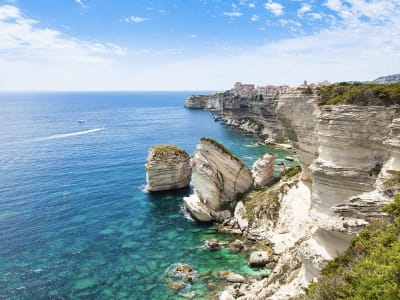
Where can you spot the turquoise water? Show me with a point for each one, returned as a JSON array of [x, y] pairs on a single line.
[[75, 222]]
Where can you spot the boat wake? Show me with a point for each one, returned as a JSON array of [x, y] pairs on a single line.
[[66, 135]]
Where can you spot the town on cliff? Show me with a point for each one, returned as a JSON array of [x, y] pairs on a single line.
[[347, 140]]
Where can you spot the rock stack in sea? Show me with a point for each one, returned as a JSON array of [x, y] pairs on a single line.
[[219, 178], [168, 167], [263, 169]]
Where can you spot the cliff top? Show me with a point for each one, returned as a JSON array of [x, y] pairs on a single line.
[[222, 148], [361, 94], [165, 151]]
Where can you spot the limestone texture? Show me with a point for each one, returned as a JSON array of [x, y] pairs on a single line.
[[219, 178], [168, 167], [347, 153], [263, 169]]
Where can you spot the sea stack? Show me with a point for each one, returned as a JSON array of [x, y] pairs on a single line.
[[168, 168], [219, 177]]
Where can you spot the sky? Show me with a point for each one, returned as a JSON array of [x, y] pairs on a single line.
[[124, 45]]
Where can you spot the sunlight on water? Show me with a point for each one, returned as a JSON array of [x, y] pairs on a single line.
[[75, 220]]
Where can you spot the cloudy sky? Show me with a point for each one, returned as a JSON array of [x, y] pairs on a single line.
[[194, 44]]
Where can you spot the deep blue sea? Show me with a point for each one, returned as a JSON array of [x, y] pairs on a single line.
[[75, 221]]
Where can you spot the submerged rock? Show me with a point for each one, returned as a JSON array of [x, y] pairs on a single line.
[[168, 167], [215, 244], [183, 272], [176, 285], [263, 169], [219, 178]]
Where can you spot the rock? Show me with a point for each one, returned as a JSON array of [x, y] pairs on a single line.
[[176, 285], [215, 244], [168, 167], [198, 209], [226, 295], [240, 216], [263, 169], [259, 259], [183, 272], [190, 295], [211, 286], [236, 246], [219, 178], [231, 277], [235, 278]]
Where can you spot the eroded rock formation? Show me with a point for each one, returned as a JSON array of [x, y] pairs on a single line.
[[168, 167], [219, 178], [249, 114], [347, 153], [263, 169]]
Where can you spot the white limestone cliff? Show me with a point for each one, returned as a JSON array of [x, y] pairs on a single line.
[[219, 178], [167, 168], [346, 153], [263, 169]]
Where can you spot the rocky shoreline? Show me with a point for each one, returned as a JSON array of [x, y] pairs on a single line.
[[346, 152]]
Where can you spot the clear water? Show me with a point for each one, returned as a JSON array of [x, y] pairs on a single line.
[[75, 222]]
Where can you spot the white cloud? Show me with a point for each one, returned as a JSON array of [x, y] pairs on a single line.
[[133, 19], [252, 5], [80, 3], [233, 14], [316, 16], [353, 13], [192, 36], [305, 8], [255, 18], [274, 7], [23, 37], [340, 53]]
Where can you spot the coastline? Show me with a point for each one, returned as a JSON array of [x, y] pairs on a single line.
[[317, 218]]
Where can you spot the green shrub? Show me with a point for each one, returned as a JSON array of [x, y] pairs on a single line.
[[290, 172], [369, 268], [360, 94], [394, 180]]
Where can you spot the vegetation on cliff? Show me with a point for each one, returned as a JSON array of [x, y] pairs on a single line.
[[262, 200], [162, 151], [360, 94], [369, 268]]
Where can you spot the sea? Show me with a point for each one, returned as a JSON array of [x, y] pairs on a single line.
[[75, 219]]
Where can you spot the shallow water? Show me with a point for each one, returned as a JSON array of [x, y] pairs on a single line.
[[75, 221]]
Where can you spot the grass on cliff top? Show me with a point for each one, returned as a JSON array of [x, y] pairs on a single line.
[[166, 150], [369, 268], [223, 149], [362, 94], [201, 98]]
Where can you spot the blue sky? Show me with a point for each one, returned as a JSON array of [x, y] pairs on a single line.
[[194, 45]]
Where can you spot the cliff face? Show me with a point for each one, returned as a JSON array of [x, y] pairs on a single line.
[[351, 152], [218, 178], [298, 115], [256, 116], [346, 153], [341, 149], [168, 167]]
